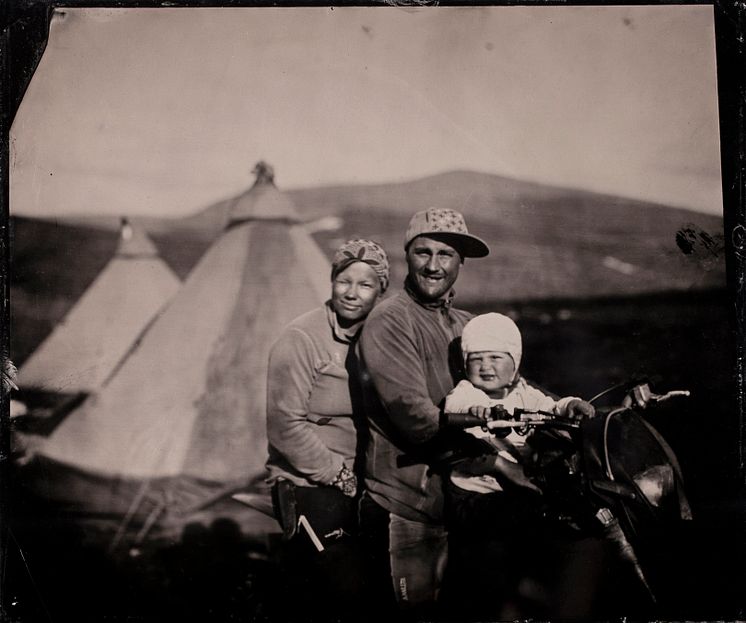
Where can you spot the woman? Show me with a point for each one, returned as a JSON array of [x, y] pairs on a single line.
[[313, 431]]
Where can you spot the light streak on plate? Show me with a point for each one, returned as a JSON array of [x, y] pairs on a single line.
[[619, 266], [326, 223]]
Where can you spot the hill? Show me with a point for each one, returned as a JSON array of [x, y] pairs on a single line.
[[547, 243]]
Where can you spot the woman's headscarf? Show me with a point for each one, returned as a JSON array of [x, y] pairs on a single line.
[[366, 251]]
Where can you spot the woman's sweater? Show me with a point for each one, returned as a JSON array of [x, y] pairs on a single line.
[[310, 426]]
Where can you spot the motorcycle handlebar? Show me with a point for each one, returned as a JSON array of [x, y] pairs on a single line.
[[641, 396], [466, 420]]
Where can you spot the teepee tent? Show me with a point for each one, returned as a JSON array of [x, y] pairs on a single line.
[[184, 416], [85, 349]]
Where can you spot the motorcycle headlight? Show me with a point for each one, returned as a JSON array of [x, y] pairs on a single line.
[[656, 483]]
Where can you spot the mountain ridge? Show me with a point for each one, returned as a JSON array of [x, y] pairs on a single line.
[[470, 189], [545, 243]]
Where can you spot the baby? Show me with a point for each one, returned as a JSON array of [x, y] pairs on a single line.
[[492, 510], [491, 346]]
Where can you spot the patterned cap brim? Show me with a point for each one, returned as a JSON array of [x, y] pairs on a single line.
[[466, 244]]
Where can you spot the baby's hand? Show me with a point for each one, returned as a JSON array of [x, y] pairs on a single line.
[[482, 413], [578, 410]]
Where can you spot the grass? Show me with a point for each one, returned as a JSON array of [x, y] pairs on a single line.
[[213, 572]]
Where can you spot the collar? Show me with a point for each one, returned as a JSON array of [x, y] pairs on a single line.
[[508, 389], [346, 336], [443, 304]]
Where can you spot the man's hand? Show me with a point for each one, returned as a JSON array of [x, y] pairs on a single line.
[[479, 466], [506, 470], [578, 410]]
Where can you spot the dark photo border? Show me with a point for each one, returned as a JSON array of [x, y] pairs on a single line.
[[25, 28]]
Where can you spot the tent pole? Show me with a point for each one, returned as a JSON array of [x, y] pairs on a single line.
[[150, 521], [136, 502]]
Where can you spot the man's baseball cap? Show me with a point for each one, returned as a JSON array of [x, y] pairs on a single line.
[[449, 226]]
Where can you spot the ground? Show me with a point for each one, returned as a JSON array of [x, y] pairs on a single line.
[[58, 567]]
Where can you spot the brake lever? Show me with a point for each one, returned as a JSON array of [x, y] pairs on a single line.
[[672, 394], [641, 396]]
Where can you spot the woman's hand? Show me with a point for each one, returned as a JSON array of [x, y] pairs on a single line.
[[345, 481], [578, 410]]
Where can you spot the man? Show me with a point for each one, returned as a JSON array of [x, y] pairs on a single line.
[[405, 348]]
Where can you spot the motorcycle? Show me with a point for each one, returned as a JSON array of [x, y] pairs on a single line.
[[612, 476]]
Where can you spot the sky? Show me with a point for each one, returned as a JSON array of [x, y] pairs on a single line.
[[165, 111]]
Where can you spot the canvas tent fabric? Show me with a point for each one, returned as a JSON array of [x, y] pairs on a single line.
[[85, 349], [185, 413]]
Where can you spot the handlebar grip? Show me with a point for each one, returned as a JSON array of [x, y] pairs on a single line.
[[462, 420]]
